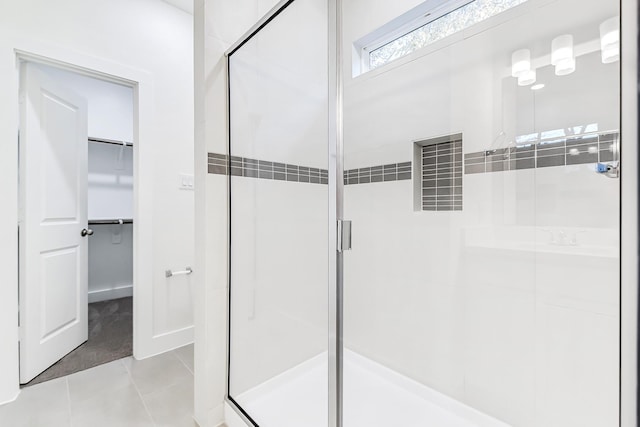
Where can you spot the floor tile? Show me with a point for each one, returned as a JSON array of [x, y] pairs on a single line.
[[37, 419], [45, 405], [105, 379], [124, 393], [172, 406], [186, 355], [157, 372], [123, 408]]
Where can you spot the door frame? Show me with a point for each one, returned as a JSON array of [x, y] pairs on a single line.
[[629, 219], [145, 341]]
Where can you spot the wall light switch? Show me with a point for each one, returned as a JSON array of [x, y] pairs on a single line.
[[185, 181]]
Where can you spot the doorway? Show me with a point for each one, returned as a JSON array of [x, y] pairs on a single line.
[[76, 221]]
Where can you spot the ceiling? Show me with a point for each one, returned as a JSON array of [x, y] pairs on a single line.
[[186, 5]]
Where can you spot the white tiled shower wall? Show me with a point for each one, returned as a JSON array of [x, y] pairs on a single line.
[[480, 304]]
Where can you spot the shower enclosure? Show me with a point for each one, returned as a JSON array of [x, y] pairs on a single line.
[[475, 148]]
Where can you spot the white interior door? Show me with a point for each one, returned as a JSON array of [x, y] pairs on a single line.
[[53, 214]]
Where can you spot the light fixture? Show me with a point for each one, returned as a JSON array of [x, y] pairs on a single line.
[[538, 86], [562, 56], [565, 67], [527, 78], [520, 62], [610, 40]]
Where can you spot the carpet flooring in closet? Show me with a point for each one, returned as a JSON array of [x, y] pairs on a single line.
[[110, 338]]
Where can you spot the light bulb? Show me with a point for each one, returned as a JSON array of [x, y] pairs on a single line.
[[562, 55], [610, 40], [527, 78], [520, 62], [565, 67], [611, 54], [610, 32]]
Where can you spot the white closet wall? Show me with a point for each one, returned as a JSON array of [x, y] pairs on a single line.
[[110, 181], [110, 186], [110, 104]]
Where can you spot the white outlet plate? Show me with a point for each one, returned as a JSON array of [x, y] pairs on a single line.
[[185, 181]]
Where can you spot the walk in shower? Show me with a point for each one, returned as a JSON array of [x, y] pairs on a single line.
[[475, 146]]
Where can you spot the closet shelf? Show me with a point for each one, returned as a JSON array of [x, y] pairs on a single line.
[[110, 141], [110, 221]]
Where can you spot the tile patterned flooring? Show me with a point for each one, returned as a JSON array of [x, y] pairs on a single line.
[[155, 392]]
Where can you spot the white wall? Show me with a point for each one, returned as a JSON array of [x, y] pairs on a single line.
[[110, 104], [110, 191], [149, 44], [110, 187], [110, 262]]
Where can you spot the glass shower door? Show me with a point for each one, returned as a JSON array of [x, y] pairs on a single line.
[[278, 208], [481, 150]]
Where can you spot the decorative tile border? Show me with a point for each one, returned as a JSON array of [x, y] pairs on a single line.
[[441, 183], [262, 169], [382, 173], [222, 164], [591, 148]]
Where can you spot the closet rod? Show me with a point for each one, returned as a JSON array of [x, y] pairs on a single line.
[[110, 221], [109, 141]]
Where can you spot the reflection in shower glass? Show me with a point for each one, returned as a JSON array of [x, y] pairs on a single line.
[[505, 312], [434, 30]]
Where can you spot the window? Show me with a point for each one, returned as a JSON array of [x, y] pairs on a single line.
[[421, 27]]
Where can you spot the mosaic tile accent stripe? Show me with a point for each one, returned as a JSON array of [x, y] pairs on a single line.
[[582, 149], [222, 164], [442, 176], [382, 173]]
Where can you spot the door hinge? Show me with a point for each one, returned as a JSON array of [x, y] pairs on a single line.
[[344, 235]]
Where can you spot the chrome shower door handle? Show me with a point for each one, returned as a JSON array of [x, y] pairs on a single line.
[[344, 235], [86, 232]]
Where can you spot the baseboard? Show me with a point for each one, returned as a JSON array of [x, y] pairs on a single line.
[[108, 294], [231, 417], [215, 418], [12, 399], [158, 344]]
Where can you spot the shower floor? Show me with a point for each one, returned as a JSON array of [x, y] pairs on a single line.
[[375, 396]]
